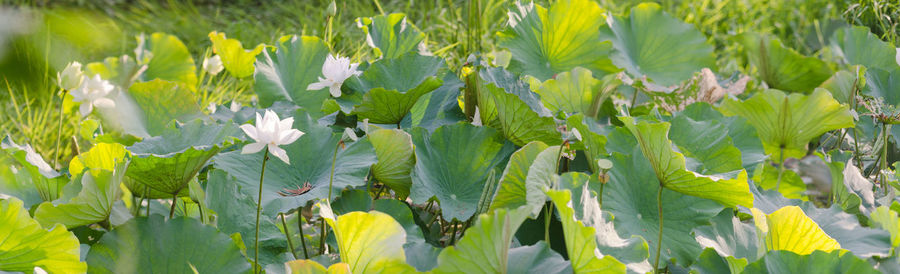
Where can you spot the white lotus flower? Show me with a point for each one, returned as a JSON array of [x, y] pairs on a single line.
[[336, 71], [92, 93], [213, 65], [271, 132], [235, 106], [71, 77], [898, 56]]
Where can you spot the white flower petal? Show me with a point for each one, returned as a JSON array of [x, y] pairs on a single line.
[[290, 136], [335, 90], [85, 109], [105, 103], [286, 124], [318, 85], [250, 130], [252, 148], [279, 153]]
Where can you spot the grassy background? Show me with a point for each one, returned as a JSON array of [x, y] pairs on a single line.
[[87, 31]]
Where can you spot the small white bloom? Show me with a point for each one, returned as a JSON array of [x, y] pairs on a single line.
[[476, 120], [213, 65], [898, 56], [271, 132], [212, 107], [38, 270], [92, 93], [235, 106], [71, 77], [576, 134], [349, 135], [336, 70], [423, 49]]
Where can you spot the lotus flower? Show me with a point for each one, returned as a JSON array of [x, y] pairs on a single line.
[[213, 65], [92, 93], [71, 77], [336, 71], [271, 132]]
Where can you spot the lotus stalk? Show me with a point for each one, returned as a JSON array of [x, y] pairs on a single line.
[[659, 236], [323, 232]]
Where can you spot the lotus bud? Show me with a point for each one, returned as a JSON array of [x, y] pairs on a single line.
[[332, 9], [213, 65], [71, 77]]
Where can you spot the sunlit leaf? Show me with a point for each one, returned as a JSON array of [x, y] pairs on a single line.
[[790, 229], [785, 124], [580, 244], [24, 244], [485, 247], [364, 238], [94, 203], [672, 172], [396, 158], [545, 42], [237, 60]]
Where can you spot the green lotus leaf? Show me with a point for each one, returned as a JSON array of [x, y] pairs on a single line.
[[16, 183], [453, 164], [791, 184], [48, 182], [672, 172], [419, 254], [580, 243], [817, 262], [160, 102], [102, 156], [857, 46], [707, 142], [390, 36], [790, 229], [576, 91], [711, 262], [232, 209], [743, 135], [633, 252], [94, 203], [311, 162], [313, 267], [166, 163], [180, 245], [517, 121], [729, 237], [235, 59], [781, 67], [631, 192], [485, 246], [439, 107], [512, 191], [24, 244], [168, 60], [364, 238], [888, 220], [392, 86], [285, 71], [883, 83], [843, 227], [511, 83], [841, 84], [650, 42], [537, 258], [396, 158], [854, 183], [785, 124], [545, 42], [593, 144]]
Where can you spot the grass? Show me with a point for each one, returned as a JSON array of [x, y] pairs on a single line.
[[88, 31]]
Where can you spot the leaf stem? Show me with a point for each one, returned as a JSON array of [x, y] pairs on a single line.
[[288, 235], [884, 150], [174, 203], [59, 129], [547, 212], [453, 233], [323, 232], [780, 167], [302, 237], [660, 234], [262, 174]]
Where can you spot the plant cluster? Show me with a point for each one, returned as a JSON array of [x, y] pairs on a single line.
[[587, 141]]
